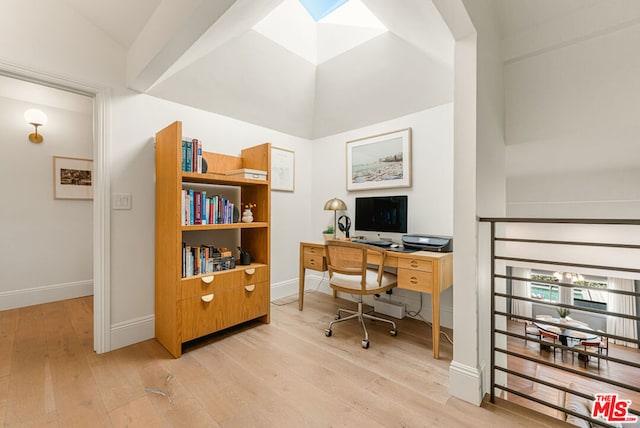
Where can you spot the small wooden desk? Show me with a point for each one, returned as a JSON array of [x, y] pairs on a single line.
[[422, 271]]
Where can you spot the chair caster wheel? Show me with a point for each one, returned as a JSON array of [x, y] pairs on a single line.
[[327, 332], [365, 344], [337, 317], [394, 332]]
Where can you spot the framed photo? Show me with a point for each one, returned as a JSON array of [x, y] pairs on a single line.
[[379, 162], [72, 178], [283, 164]]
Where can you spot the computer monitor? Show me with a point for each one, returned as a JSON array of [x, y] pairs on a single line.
[[381, 214]]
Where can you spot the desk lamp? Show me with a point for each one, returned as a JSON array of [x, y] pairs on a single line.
[[335, 205]]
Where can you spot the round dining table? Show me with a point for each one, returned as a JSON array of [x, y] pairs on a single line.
[[565, 329]]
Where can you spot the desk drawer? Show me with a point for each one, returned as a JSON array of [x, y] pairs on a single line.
[[222, 280], [416, 280], [202, 315], [416, 264], [318, 251], [315, 262], [245, 303]]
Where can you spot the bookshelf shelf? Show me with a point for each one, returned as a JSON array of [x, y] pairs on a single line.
[[198, 305], [253, 225]]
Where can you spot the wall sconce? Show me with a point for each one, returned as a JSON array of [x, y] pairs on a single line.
[[36, 118]]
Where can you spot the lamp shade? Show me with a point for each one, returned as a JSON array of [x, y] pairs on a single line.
[[35, 117], [335, 204]]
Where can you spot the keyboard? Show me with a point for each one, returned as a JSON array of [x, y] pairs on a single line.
[[376, 243]]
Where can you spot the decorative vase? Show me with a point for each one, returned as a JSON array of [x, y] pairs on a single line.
[[327, 236], [247, 216]]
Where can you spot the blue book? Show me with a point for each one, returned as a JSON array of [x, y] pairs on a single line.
[[189, 157], [191, 208], [184, 155], [205, 220]]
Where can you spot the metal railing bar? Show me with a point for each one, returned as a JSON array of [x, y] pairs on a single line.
[[567, 306], [570, 370], [581, 243], [560, 220], [600, 333], [546, 383], [555, 406], [569, 348], [579, 265], [555, 386], [566, 284]]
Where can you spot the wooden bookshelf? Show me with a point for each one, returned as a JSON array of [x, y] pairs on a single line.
[[192, 307]]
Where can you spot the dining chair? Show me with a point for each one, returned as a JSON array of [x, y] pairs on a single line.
[[348, 273], [530, 330], [552, 340], [588, 348], [604, 344]]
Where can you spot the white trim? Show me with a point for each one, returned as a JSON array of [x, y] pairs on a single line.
[[284, 289], [102, 224], [47, 293], [101, 203], [132, 331], [465, 382]]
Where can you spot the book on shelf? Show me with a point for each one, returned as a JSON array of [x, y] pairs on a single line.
[[198, 208], [191, 155], [203, 259]]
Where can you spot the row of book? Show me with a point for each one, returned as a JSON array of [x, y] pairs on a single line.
[[198, 208], [191, 155], [197, 260]]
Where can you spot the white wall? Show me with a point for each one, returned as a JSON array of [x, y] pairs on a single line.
[[46, 251], [572, 128], [430, 198]]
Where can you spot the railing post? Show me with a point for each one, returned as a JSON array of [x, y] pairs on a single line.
[[493, 310]]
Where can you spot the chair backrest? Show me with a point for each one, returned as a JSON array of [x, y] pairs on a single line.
[[350, 258], [548, 334], [603, 339]]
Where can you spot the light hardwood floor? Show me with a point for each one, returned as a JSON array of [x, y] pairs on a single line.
[[284, 374]]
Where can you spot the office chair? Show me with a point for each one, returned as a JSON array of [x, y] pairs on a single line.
[[348, 273]]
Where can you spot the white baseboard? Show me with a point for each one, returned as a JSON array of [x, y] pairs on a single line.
[[48, 293], [465, 383], [132, 331], [291, 286]]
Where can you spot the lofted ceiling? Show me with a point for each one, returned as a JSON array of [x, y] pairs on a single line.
[[227, 57]]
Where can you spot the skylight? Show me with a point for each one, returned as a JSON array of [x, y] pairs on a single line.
[[318, 9], [347, 25]]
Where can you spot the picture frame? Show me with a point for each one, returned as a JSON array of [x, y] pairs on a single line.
[[72, 178], [379, 162], [283, 164]]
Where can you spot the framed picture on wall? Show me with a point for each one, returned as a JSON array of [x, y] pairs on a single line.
[[283, 169], [380, 161], [72, 178]]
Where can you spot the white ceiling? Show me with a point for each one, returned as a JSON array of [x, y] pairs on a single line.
[[209, 55]]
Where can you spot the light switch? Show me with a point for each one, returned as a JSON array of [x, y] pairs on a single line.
[[121, 201]]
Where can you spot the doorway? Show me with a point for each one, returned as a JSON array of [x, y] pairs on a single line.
[[98, 121]]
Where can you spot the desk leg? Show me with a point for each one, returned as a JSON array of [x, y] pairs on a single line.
[[435, 323], [301, 281]]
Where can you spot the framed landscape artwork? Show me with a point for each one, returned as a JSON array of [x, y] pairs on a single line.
[[72, 178], [379, 162]]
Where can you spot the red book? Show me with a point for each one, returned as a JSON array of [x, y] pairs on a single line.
[[197, 199]]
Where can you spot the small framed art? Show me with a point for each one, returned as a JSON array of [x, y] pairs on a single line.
[[72, 178]]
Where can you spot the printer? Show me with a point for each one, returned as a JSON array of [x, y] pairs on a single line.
[[442, 244]]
